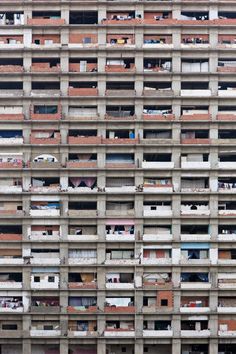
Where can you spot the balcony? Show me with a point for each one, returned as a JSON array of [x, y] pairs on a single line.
[[194, 209], [119, 333], [165, 237], [120, 237], [82, 309], [195, 286], [10, 284], [226, 165], [116, 68], [78, 67], [196, 165], [228, 309], [158, 333], [229, 92], [224, 237], [87, 140], [226, 333], [75, 334], [45, 22], [79, 91], [44, 260], [45, 68], [45, 212], [158, 165], [82, 238], [159, 117], [82, 260], [195, 334], [10, 237], [45, 333], [195, 237], [54, 140], [157, 210], [11, 260]]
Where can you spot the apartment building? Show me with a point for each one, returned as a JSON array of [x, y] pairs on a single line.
[[117, 177]]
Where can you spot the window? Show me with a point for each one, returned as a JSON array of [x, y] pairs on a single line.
[[145, 349], [37, 279], [48, 327], [10, 327], [123, 349], [51, 279], [164, 302]]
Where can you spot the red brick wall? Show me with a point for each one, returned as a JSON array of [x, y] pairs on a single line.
[[165, 295], [79, 37]]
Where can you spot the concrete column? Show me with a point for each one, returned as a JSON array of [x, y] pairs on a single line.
[[64, 278], [177, 301], [65, 13], [176, 277], [214, 230], [138, 205], [213, 109], [138, 346], [102, 86], [64, 62], [213, 157], [176, 346], [213, 346], [139, 325], [65, 37], [101, 346], [138, 37], [138, 109], [101, 298], [27, 86], [176, 204], [176, 38], [64, 85], [213, 205], [176, 325], [26, 278], [138, 87], [64, 253], [176, 230], [64, 346], [26, 346], [176, 62], [176, 11], [27, 15], [213, 85], [213, 37], [213, 301], [101, 158], [139, 62], [101, 278], [27, 40], [176, 255], [64, 325], [176, 157], [101, 62], [26, 135], [64, 133], [101, 108], [139, 301], [101, 324], [213, 181], [101, 253], [63, 302], [176, 107], [27, 60], [102, 13], [101, 206], [213, 12]]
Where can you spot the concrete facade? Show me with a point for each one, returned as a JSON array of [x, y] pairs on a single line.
[[117, 177]]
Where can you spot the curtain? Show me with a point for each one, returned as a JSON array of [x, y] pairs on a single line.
[[76, 181]]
